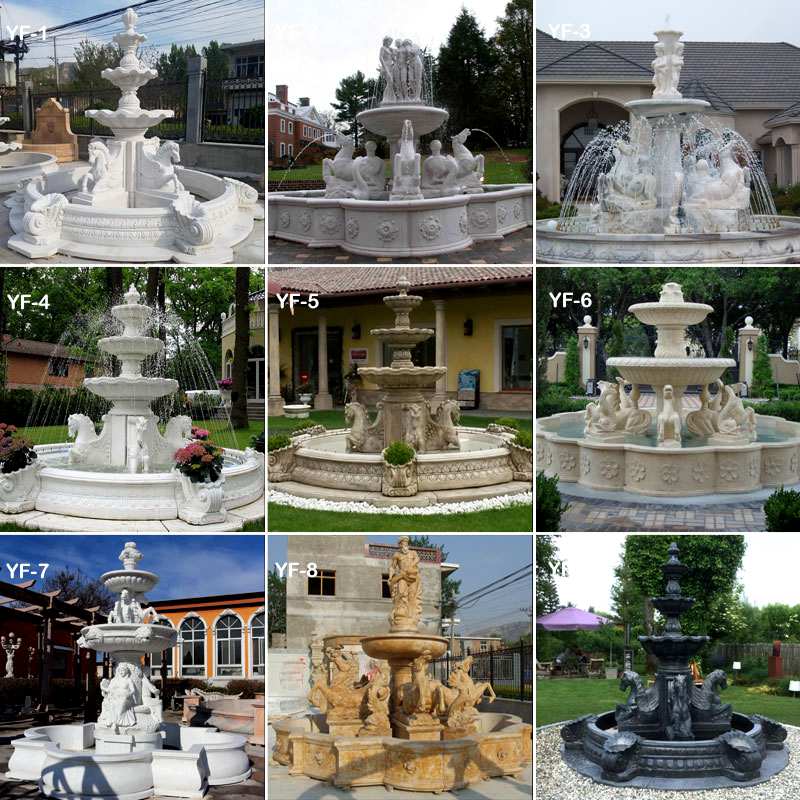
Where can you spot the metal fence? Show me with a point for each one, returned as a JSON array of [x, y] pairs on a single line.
[[508, 671], [233, 110], [790, 653]]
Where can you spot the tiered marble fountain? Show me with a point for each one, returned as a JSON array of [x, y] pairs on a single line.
[[448, 458], [674, 734], [436, 204], [130, 752], [720, 447], [16, 165], [126, 472], [670, 186], [401, 728], [134, 202]]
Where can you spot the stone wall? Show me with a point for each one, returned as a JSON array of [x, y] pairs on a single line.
[[295, 186], [784, 371], [556, 366]]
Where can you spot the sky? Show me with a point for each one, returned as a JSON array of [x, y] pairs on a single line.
[[188, 566], [765, 21], [314, 44], [481, 559], [768, 573]]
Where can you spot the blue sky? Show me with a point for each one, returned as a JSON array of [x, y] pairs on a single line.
[[188, 566], [482, 559]]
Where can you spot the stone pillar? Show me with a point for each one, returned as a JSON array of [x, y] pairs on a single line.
[[196, 67], [587, 349], [27, 108], [795, 165], [274, 399], [748, 340], [441, 353], [322, 399]]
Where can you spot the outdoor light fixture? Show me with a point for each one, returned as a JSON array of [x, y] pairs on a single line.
[[750, 345], [585, 342], [737, 665], [468, 327], [356, 331], [794, 687]]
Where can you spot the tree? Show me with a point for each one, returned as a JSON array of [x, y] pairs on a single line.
[[73, 583], [276, 605], [353, 94], [114, 283], [217, 62], [572, 367], [513, 43], [3, 355], [90, 60], [762, 370], [450, 587], [241, 349], [615, 346], [548, 566], [174, 65]]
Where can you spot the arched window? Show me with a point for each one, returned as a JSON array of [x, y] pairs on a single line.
[[256, 374], [228, 364], [257, 644], [155, 658], [229, 645], [193, 647]]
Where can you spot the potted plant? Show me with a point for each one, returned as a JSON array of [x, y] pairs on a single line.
[[305, 391], [521, 451], [399, 470], [225, 386], [200, 434], [280, 457], [19, 472], [201, 496]]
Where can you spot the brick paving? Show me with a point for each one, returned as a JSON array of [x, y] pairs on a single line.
[[515, 248], [605, 515]]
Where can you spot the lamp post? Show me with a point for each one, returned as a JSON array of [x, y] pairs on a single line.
[[737, 665]]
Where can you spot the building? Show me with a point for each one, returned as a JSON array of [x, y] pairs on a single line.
[[470, 645], [32, 365], [220, 638], [256, 367], [482, 317], [243, 90], [292, 126], [583, 85]]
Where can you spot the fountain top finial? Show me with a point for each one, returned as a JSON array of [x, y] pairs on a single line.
[[130, 556], [132, 296], [403, 285], [671, 293], [129, 19]]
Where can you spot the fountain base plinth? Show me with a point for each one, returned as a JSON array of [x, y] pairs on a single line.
[[417, 728], [129, 741]]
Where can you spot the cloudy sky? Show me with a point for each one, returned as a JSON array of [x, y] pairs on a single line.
[[314, 44], [769, 569], [765, 21]]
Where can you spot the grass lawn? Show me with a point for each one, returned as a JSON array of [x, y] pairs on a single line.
[[560, 699], [496, 169]]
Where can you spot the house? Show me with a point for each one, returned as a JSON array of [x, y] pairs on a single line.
[[471, 645], [33, 365], [256, 366], [293, 126], [242, 96]]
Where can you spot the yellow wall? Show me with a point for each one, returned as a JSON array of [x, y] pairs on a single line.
[[479, 351]]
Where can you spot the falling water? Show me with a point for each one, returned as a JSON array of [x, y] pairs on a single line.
[[296, 159]]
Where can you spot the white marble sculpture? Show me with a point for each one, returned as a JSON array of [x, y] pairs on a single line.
[[470, 167], [10, 647], [401, 69], [373, 170], [342, 174], [615, 413], [629, 184], [439, 173], [406, 176], [155, 166], [667, 64], [105, 168], [8, 147], [668, 422]]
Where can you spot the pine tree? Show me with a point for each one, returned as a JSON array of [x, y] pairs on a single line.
[[572, 367], [353, 94], [762, 370]]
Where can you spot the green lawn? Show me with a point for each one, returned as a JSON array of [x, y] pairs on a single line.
[[496, 170], [560, 699]]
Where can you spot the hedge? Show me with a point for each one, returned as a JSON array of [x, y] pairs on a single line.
[[51, 406]]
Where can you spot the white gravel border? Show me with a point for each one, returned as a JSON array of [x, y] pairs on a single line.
[[557, 781], [315, 504]]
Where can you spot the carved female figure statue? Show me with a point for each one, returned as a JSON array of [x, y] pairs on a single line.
[[399, 71], [119, 699], [660, 70], [405, 587], [388, 58], [415, 69]]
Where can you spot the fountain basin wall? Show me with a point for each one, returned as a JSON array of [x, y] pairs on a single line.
[[751, 247], [400, 227], [684, 471], [21, 165]]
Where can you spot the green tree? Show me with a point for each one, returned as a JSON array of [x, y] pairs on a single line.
[[762, 370], [276, 604], [173, 65], [513, 44], [217, 62], [241, 349], [615, 346], [450, 586], [90, 60], [353, 96], [572, 367], [548, 567]]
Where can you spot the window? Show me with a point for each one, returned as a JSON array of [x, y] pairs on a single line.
[[517, 344], [385, 589], [193, 647], [324, 584], [228, 364], [249, 66], [58, 367], [283, 149], [257, 644], [484, 645], [291, 127], [229, 645], [155, 658], [291, 149], [283, 125]]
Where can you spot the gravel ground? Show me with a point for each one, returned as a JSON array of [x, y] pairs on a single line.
[[556, 781]]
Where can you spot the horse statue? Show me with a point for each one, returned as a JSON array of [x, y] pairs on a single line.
[[342, 174], [156, 166], [641, 702], [601, 417], [364, 436], [406, 175], [704, 421], [80, 428], [706, 703], [458, 699], [634, 419], [99, 167], [178, 430], [736, 421], [439, 173], [470, 167], [443, 422], [419, 696], [668, 421]]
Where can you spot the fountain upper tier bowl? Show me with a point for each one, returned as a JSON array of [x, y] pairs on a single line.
[[671, 312], [388, 120], [404, 644]]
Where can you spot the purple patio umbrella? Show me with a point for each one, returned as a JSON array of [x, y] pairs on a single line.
[[571, 619]]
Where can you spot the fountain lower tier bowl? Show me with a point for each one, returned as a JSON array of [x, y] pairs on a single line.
[[663, 106], [402, 337], [774, 245], [221, 218], [101, 493], [501, 746], [637, 465], [403, 377], [22, 165], [129, 638], [659, 372], [136, 388], [388, 120], [80, 761], [401, 228], [694, 764], [673, 652], [404, 645]]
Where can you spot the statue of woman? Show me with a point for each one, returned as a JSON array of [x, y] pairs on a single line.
[[415, 70], [119, 700], [388, 57], [405, 587]]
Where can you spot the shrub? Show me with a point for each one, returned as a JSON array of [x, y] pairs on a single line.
[[548, 503], [205, 405], [787, 409], [548, 405], [248, 688], [547, 210], [507, 422], [615, 347], [762, 370], [303, 425], [278, 441], [15, 452], [200, 461], [782, 510], [572, 367], [257, 442], [398, 453], [524, 439]]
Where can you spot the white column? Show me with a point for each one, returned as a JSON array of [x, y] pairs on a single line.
[[441, 352], [323, 399], [274, 399]]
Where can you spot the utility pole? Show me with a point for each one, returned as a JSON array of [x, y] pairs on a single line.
[[55, 61]]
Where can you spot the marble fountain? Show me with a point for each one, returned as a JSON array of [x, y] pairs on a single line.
[[17, 165], [670, 186], [127, 470], [722, 447], [133, 202], [401, 729], [436, 204], [451, 463], [130, 753], [675, 734]]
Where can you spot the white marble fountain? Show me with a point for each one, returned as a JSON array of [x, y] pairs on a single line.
[[17, 166], [720, 447], [133, 202], [670, 186], [435, 204], [130, 753], [126, 472]]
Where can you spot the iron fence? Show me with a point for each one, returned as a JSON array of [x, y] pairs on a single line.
[[508, 671], [233, 110]]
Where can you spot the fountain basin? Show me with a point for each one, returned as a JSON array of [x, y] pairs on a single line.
[[400, 228], [404, 645], [139, 582], [404, 377], [695, 468], [674, 371], [388, 120], [135, 389], [129, 637], [21, 165]]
